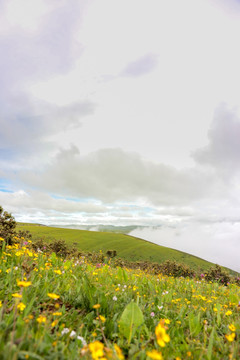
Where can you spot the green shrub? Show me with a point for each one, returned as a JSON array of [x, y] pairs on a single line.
[[217, 274]]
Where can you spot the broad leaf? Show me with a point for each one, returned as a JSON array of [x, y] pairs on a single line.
[[130, 321]]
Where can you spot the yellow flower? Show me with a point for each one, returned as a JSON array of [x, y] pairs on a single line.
[[54, 323], [57, 313], [228, 313], [24, 283], [17, 295], [232, 327], [189, 353], [96, 349], [58, 272], [162, 336], [53, 296], [96, 306], [154, 354], [1, 239], [41, 319], [230, 337], [21, 306], [119, 352], [0, 303], [102, 318]]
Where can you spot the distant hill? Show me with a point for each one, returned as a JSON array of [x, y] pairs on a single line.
[[127, 247], [102, 228]]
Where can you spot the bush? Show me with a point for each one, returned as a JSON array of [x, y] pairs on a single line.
[[217, 274], [7, 226]]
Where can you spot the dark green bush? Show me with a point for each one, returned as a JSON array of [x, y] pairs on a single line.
[[217, 274]]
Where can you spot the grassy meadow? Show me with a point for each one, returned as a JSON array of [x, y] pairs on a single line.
[[127, 247], [55, 308]]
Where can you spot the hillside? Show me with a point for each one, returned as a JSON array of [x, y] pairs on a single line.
[[127, 247]]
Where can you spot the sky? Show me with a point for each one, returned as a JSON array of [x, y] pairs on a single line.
[[124, 112]]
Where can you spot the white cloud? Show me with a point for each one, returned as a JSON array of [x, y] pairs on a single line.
[[112, 175], [223, 149]]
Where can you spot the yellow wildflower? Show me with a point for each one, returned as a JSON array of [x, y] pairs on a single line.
[[54, 323], [0, 303], [21, 306], [228, 313], [41, 319], [24, 283], [19, 296], [162, 336], [232, 327], [53, 296], [230, 337], [96, 306], [102, 318], [57, 313], [96, 349], [119, 352], [58, 272], [154, 354]]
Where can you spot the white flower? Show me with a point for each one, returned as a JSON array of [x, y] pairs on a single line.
[[73, 334], [114, 298], [160, 307], [82, 340], [65, 331]]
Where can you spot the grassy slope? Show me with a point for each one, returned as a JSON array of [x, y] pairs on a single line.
[[127, 247]]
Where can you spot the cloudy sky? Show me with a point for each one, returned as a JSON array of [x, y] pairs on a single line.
[[124, 112]]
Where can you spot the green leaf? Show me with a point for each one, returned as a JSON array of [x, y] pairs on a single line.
[[210, 345], [30, 354], [195, 324], [130, 321]]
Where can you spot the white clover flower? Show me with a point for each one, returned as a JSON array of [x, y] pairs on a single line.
[[73, 334], [114, 298], [65, 331], [82, 340]]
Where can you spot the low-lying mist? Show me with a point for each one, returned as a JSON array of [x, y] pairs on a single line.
[[215, 242]]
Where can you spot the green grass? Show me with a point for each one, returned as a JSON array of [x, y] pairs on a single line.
[[194, 319], [127, 247]]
